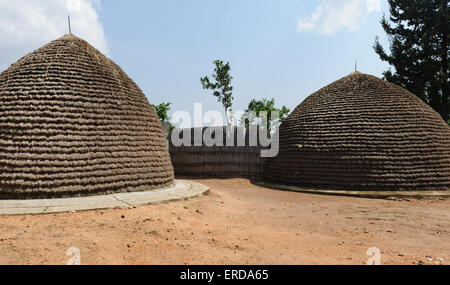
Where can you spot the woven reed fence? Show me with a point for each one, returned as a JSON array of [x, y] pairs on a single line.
[[217, 161]]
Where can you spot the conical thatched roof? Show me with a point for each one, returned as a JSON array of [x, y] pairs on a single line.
[[73, 123], [363, 133]]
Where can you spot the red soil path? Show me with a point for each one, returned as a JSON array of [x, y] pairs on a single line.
[[238, 223]]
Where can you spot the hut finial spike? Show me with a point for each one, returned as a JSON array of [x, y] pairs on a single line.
[[356, 65], [70, 29]]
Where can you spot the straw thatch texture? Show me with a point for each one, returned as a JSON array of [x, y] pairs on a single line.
[[73, 123], [217, 161], [361, 132]]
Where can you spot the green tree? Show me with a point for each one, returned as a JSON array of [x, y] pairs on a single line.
[[221, 88], [162, 110], [257, 107], [418, 32]]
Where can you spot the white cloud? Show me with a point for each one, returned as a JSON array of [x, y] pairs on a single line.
[[27, 25], [333, 15]]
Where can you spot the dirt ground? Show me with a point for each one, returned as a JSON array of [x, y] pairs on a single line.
[[237, 223]]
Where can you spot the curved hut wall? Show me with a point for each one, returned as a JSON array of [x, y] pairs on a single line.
[[73, 123], [363, 133]]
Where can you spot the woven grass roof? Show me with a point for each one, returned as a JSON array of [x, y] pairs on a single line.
[[73, 123], [361, 132]]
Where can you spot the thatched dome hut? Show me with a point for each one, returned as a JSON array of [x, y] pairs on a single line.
[[363, 133], [73, 123]]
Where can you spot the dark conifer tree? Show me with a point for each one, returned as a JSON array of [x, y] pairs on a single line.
[[418, 32]]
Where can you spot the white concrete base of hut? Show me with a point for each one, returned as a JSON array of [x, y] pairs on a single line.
[[180, 190], [355, 193]]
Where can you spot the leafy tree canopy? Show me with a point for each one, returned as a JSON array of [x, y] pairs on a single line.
[[162, 110], [221, 86], [267, 106]]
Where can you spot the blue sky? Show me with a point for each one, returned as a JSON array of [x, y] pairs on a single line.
[[284, 49], [166, 46]]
